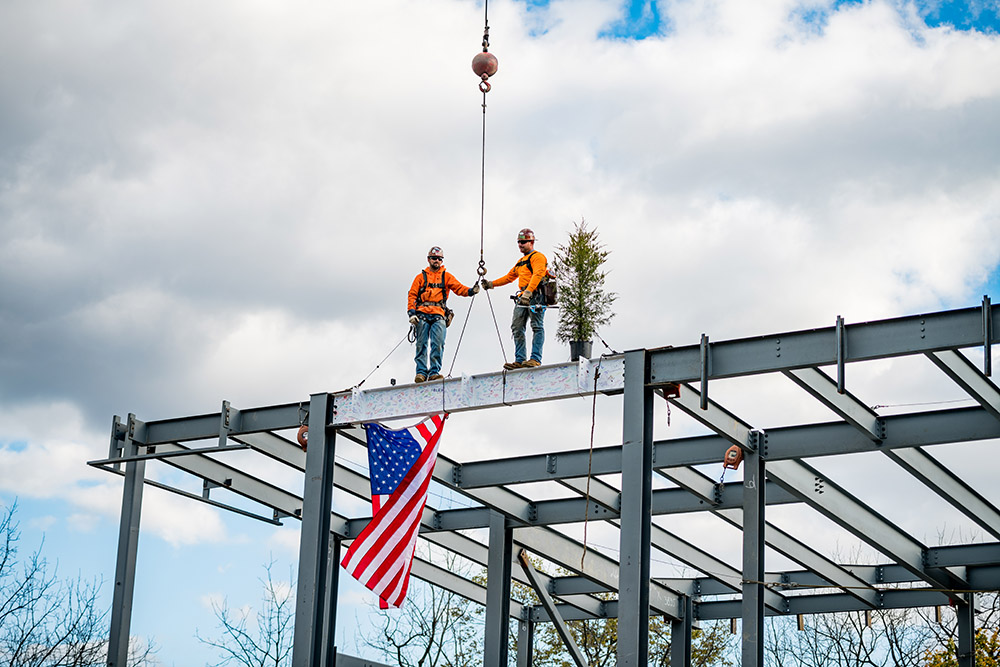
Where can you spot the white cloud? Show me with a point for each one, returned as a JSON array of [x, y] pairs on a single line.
[[228, 201]]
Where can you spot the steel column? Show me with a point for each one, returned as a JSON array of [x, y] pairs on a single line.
[[332, 590], [680, 637], [311, 630], [966, 613], [753, 558], [498, 592], [636, 529], [525, 641], [128, 547]]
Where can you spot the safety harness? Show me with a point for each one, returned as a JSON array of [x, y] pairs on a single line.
[[443, 303], [547, 285]]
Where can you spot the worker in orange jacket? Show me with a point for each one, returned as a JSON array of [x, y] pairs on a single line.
[[427, 307], [529, 271]]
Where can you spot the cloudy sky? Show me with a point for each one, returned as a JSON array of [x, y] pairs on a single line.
[[203, 201]]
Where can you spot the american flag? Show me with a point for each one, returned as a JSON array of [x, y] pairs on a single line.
[[400, 464]]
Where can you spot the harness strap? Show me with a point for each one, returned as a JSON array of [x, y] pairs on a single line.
[[420, 292], [527, 261]]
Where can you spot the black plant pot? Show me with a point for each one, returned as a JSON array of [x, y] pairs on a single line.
[[580, 348]]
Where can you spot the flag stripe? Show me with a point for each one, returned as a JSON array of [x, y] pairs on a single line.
[[396, 512], [399, 517], [381, 556]]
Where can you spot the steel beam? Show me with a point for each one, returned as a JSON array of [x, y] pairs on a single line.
[[919, 334], [836, 504], [948, 486], [675, 547], [854, 412], [914, 334], [783, 543], [712, 415], [549, 543], [969, 378], [550, 606], [934, 427], [480, 391]]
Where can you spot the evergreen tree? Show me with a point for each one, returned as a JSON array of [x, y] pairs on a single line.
[[584, 303]]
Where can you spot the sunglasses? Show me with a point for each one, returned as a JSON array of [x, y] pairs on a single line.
[[434, 257], [523, 241]]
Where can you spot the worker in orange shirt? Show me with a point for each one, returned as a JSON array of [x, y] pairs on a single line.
[[529, 271], [427, 307]]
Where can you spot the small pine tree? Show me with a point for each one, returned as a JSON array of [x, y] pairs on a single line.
[[584, 304]]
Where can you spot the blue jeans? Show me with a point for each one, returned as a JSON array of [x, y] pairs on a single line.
[[430, 328], [519, 323]]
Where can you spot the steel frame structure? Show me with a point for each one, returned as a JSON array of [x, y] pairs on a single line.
[[776, 472]]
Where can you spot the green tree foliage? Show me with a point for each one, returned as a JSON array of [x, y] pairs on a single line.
[[943, 652], [987, 651], [584, 303]]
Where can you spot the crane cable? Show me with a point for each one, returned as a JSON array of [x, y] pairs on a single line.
[[485, 65], [482, 68]]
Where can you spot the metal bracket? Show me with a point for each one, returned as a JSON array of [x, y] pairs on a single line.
[[228, 418], [550, 463], [706, 362], [135, 429], [207, 485], [987, 336], [841, 354], [117, 440], [456, 475]]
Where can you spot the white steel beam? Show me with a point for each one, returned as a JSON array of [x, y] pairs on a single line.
[[477, 392]]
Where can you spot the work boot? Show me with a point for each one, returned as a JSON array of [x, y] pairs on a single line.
[[530, 363], [511, 365], [436, 376], [419, 378]]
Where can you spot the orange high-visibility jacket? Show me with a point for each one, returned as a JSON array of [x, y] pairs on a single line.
[[530, 270], [435, 292]]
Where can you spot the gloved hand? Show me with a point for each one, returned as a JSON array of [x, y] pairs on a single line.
[[487, 284], [414, 319], [524, 298], [474, 289]]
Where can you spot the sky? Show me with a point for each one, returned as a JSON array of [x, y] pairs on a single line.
[[228, 201]]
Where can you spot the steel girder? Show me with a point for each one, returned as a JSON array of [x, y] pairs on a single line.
[[798, 355]]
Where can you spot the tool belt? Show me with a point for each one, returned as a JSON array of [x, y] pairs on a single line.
[[449, 314]]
